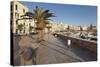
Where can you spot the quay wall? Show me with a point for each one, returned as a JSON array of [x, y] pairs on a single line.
[[92, 46]]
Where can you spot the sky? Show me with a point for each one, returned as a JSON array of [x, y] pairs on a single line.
[[79, 15]]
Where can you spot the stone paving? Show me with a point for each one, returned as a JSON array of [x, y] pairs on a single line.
[[53, 50]]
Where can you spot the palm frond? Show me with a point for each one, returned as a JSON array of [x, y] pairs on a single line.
[[29, 14]]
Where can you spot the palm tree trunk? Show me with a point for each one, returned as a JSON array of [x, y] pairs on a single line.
[[38, 35], [42, 34]]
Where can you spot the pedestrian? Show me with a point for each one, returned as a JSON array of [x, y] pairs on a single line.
[[69, 43]]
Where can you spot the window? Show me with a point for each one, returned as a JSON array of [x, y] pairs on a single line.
[[23, 10], [11, 7], [11, 15], [16, 7], [16, 15]]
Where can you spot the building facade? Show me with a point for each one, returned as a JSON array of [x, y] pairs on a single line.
[[17, 10]]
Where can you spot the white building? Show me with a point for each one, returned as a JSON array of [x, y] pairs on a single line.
[[17, 10], [63, 27], [85, 28]]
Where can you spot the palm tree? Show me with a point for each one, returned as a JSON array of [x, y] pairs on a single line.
[[31, 28], [41, 17], [81, 29], [20, 27], [68, 28]]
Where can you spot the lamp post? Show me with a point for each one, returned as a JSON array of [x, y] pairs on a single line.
[[48, 27]]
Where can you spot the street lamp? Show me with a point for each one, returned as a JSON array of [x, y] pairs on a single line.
[[48, 27]]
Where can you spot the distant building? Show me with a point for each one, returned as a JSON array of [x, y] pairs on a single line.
[[64, 27], [85, 28], [75, 28], [54, 27]]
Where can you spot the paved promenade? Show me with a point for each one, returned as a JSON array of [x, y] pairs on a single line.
[[54, 50]]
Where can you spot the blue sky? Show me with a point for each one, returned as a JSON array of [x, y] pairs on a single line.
[[67, 13]]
